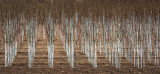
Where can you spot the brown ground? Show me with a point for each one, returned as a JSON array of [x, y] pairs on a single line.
[[61, 65]]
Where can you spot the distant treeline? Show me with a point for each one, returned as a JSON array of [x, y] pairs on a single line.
[[42, 8]]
